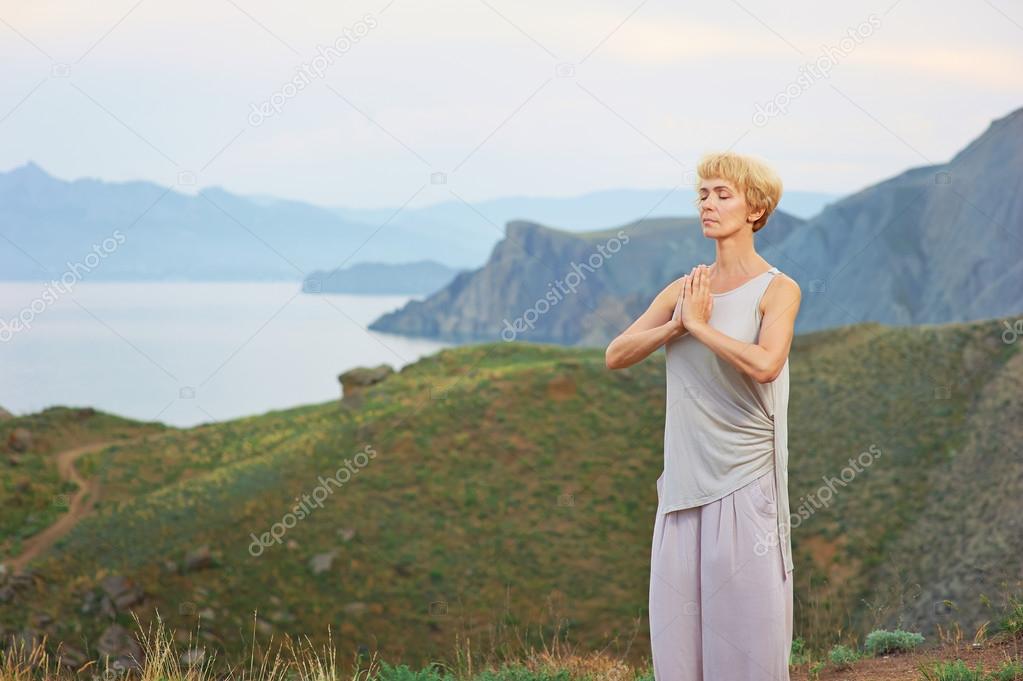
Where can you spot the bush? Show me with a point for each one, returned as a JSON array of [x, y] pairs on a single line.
[[1010, 671], [1013, 621], [952, 671], [881, 641], [798, 654], [842, 656]]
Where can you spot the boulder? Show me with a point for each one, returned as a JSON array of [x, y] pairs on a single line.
[[122, 592], [121, 647], [198, 559], [321, 562], [20, 439], [355, 380]]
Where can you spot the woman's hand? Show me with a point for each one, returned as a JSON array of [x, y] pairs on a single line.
[[696, 298], [676, 325]]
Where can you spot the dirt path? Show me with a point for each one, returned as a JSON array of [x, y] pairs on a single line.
[[81, 505]]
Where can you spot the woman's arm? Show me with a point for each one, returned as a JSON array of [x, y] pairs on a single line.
[[763, 360], [650, 331]]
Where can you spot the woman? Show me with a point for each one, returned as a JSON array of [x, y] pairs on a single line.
[[721, 559]]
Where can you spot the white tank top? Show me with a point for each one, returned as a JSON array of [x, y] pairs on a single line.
[[722, 428]]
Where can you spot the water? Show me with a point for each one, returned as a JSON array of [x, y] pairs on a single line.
[[188, 353]]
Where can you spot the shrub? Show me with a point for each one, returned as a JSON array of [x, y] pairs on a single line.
[[842, 656], [1013, 621], [798, 653], [881, 641], [952, 671], [1010, 671]]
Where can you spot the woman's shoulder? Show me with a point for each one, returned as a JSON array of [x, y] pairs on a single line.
[[781, 291]]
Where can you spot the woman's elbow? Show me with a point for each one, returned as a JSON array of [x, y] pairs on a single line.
[[766, 374]]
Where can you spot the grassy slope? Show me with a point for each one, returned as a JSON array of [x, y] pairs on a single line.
[[31, 492], [465, 503]]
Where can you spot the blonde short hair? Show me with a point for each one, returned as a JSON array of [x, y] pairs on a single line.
[[758, 182]]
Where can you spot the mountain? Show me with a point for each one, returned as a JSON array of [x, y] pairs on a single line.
[[142, 231], [50, 226], [421, 277], [935, 244], [548, 285], [497, 485], [478, 228]]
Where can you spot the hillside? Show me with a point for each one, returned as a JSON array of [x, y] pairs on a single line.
[[512, 484]]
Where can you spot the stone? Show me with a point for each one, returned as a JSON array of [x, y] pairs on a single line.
[[321, 562], [355, 380], [192, 657], [20, 439], [117, 643], [198, 559], [122, 591]]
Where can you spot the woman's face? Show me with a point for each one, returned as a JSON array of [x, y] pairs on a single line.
[[723, 209]]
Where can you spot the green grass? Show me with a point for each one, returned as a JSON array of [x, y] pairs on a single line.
[[513, 489]]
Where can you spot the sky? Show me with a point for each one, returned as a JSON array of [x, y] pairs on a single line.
[[389, 103]]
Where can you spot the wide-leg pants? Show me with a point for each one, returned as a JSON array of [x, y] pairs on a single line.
[[720, 606]]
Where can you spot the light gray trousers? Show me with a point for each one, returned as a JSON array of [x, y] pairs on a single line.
[[720, 606]]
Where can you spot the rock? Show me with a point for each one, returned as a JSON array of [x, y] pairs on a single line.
[[20, 439], [280, 616], [14, 460], [355, 380], [198, 559], [70, 657], [346, 533], [107, 609], [26, 640], [207, 614], [321, 561], [122, 592], [24, 579], [40, 620], [291, 544], [192, 657], [117, 643], [264, 627], [356, 608], [90, 601]]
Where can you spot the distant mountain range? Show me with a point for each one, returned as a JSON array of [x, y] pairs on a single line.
[[423, 277], [47, 225], [936, 244]]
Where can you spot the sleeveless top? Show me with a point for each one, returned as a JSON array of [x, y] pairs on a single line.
[[723, 429]]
